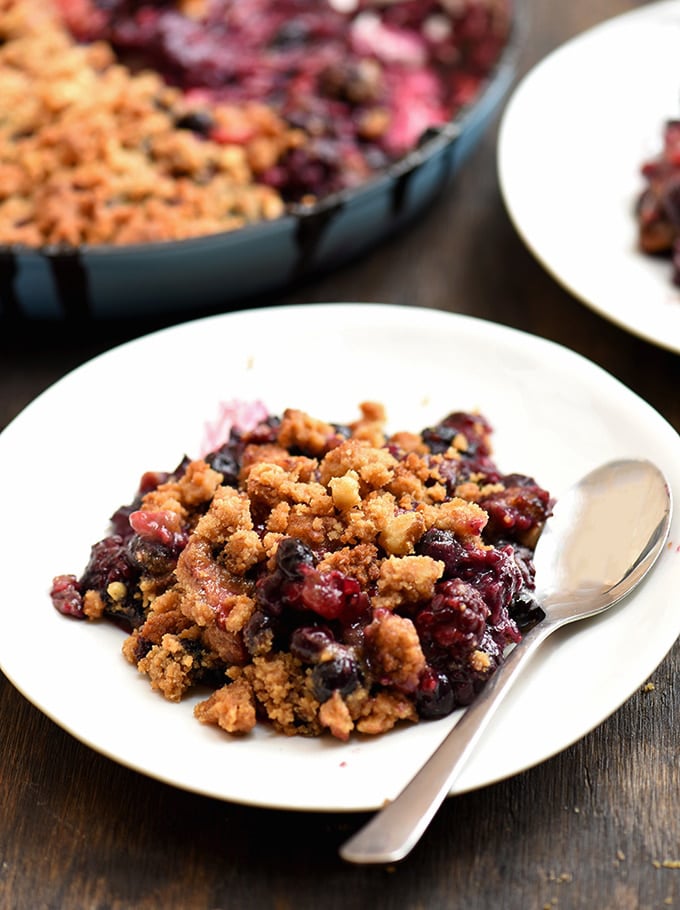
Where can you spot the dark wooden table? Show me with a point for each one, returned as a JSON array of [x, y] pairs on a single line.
[[598, 826]]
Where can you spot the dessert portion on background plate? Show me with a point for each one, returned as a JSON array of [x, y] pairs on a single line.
[[321, 577]]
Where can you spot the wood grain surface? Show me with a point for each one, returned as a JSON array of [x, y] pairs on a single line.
[[597, 826]]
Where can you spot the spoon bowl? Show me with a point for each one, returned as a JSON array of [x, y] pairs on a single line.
[[605, 535]]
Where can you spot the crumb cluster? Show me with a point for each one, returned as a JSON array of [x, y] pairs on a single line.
[[91, 153]]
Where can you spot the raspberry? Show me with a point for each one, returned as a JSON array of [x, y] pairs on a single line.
[[66, 596], [333, 595]]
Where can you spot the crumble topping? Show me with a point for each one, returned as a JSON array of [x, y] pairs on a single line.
[[232, 707], [394, 649], [320, 577], [407, 579]]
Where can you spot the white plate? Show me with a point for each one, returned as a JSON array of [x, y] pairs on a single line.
[[572, 139], [143, 405]]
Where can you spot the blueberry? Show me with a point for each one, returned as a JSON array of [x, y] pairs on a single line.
[[265, 433], [226, 461], [526, 611], [439, 438], [309, 642], [120, 520], [473, 427], [291, 555], [340, 674], [434, 695], [200, 122], [269, 596], [442, 546]]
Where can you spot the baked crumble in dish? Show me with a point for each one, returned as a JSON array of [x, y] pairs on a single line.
[[658, 205], [133, 121], [321, 577]]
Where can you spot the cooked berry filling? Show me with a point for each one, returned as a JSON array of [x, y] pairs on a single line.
[[362, 81]]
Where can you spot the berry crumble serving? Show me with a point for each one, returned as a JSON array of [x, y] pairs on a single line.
[[131, 121], [321, 577]]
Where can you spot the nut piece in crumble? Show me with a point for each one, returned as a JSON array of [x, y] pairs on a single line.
[[321, 577]]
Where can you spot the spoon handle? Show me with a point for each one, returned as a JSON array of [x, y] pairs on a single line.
[[393, 832]]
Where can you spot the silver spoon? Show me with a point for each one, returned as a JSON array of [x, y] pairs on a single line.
[[605, 535]]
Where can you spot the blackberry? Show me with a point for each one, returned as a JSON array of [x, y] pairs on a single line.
[[516, 512], [453, 623], [108, 563], [495, 572], [434, 695]]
